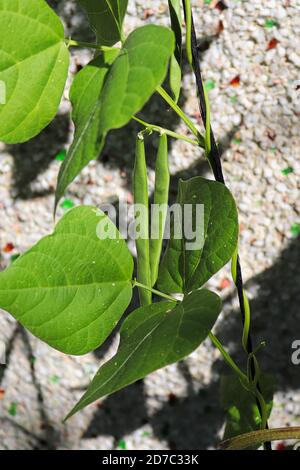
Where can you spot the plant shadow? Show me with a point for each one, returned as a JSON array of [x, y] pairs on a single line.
[[34, 157]]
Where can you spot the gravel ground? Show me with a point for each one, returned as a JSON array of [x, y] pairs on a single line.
[[251, 64]]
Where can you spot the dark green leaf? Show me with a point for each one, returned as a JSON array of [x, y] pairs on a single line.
[[34, 64], [153, 337], [106, 18], [240, 405], [139, 68], [72, 287], [184, 270]]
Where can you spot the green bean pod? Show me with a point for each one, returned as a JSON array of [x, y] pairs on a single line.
[[159, 210], [140, 194]]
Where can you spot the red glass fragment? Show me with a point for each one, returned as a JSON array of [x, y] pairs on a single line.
[[8, 247], [272, 44], [224, 283], [235, 81]]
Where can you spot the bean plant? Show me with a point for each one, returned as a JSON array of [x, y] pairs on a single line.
[[72, 288]]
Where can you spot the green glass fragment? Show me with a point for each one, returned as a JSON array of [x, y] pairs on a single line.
[[237, 141], [121, 444], [295, 229], [234, 99], [209, 85], [13, 408], [61, 156], [67, 204], [269, 23], [287, 171], [54, 379]]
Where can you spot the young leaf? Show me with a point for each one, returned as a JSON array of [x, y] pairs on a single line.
[[133, 77], [85, 97], [106, 18], [240, 405], [182, 269], [175, 64], [153, 337], [140, 67], [72, 287], [34, 64]]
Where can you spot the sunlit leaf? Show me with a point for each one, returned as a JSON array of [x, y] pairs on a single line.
[[153, 337], [72, 287], [34, 64]]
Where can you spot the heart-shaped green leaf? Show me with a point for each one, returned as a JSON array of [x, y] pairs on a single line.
[[34, 64], [106, 18], [153, 337], [140, 67], [240, 405], [72, 287], [133, 77], [182, 269]]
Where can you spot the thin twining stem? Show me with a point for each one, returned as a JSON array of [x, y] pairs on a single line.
[[228, 358], [73, 43], [162, 130], [181, 114], [135, 283]]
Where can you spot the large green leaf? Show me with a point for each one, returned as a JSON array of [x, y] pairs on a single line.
[[153, 337], [140, 67], [175, 64], [182, 269], [34, 64], [133, 77], [106, 18], [85, 96], [242, 414], [72, 287]]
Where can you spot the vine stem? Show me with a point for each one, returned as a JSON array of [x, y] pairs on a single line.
[[162, 130], [181, 114], [73, 43], [228, 358], [135, 283], [256, 437], [213, 157]]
